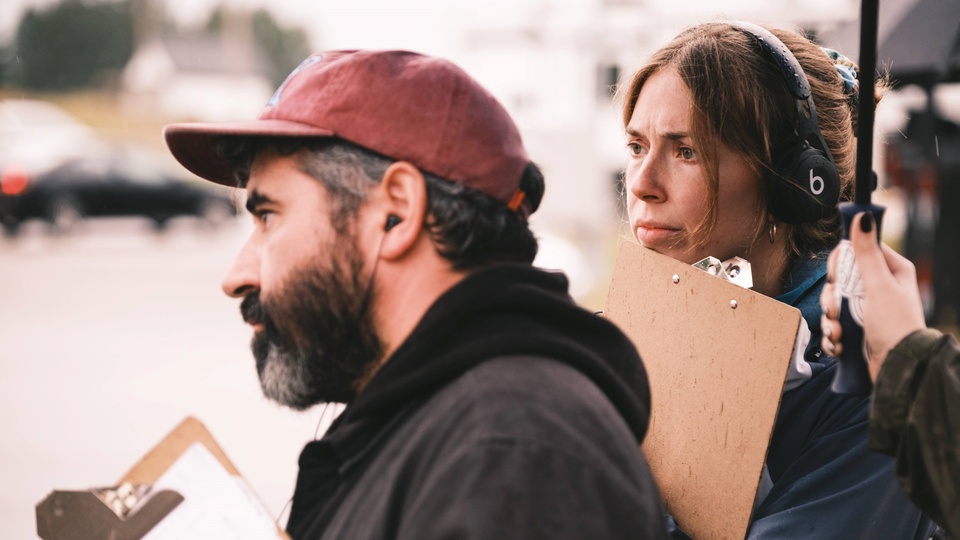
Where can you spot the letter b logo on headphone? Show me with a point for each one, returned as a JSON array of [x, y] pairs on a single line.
[[808, 195], [816, 183]]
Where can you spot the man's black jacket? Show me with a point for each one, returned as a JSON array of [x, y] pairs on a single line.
[[509, 412]]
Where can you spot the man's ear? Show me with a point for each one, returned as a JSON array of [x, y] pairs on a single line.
[[403, 194]]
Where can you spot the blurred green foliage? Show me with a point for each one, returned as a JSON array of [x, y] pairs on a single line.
[[283, 47], [71, 45], [81, 44]]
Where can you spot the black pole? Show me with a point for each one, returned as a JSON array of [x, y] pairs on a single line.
[[869, 18], [852, 376]]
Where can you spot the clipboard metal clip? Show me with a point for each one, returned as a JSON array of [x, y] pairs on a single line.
[[126, 512], [123, 498], [736, 270]]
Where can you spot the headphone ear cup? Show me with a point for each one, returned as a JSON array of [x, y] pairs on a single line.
[[807, 188]]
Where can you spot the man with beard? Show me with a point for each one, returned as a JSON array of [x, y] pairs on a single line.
[[390, 269]]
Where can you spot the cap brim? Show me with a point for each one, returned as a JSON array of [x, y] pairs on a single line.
[[194, 145]]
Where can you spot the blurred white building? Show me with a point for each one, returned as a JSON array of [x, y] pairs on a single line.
[[201, 78]]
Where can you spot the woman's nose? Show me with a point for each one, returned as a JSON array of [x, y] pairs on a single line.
[[644, 179]]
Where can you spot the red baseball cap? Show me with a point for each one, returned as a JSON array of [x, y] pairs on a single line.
[[400, 104]]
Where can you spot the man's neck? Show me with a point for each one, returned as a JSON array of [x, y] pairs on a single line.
[[402, 311], [404, 293]]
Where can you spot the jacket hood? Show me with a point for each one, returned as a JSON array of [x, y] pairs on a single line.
[[504, 310]]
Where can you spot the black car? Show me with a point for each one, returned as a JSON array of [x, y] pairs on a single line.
[[117, 185]]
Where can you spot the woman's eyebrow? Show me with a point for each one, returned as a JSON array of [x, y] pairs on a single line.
[[672, 135]]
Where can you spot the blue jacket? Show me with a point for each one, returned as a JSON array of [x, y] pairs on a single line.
[[827, 483]]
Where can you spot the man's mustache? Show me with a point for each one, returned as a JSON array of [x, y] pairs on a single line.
[[252, 310]]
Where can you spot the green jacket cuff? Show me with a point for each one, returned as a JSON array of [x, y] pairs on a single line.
[[895, 386]]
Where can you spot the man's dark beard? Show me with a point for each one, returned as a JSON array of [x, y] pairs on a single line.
[[318, 337]]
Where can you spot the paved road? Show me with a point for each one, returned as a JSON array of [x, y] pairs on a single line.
[[108, 338]]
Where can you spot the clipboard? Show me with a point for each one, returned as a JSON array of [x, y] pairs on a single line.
[[65, 515], [717, 357]]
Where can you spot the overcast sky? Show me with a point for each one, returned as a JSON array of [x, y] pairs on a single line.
[[423, 25], [432, 26]]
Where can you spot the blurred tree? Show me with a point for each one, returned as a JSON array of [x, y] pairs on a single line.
[[6, 64], [284, 47], [72, 44]]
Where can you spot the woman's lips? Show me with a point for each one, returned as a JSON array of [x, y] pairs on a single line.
[[651, 234]]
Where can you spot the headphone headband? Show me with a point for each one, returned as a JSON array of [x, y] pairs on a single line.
[[793, 73]]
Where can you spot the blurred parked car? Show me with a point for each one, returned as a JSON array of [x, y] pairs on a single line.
[[123, 183], [37, 135]]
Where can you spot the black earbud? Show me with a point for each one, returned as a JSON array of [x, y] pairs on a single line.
[[392, 221]]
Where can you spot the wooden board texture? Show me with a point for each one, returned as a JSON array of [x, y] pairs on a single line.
[[716, 376]]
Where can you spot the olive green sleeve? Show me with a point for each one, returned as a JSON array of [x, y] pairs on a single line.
[[915, 417]]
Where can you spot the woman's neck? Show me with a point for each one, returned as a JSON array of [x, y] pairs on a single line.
[[770, 263]]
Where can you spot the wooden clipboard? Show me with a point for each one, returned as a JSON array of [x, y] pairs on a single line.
[[81, 515], [717, 356], [167, 451]]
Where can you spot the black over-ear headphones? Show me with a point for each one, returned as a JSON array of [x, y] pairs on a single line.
[[807, 186]]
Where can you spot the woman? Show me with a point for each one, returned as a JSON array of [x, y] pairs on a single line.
[[719, 133]]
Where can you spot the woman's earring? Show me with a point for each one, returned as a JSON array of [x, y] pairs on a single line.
[[772, 232]]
